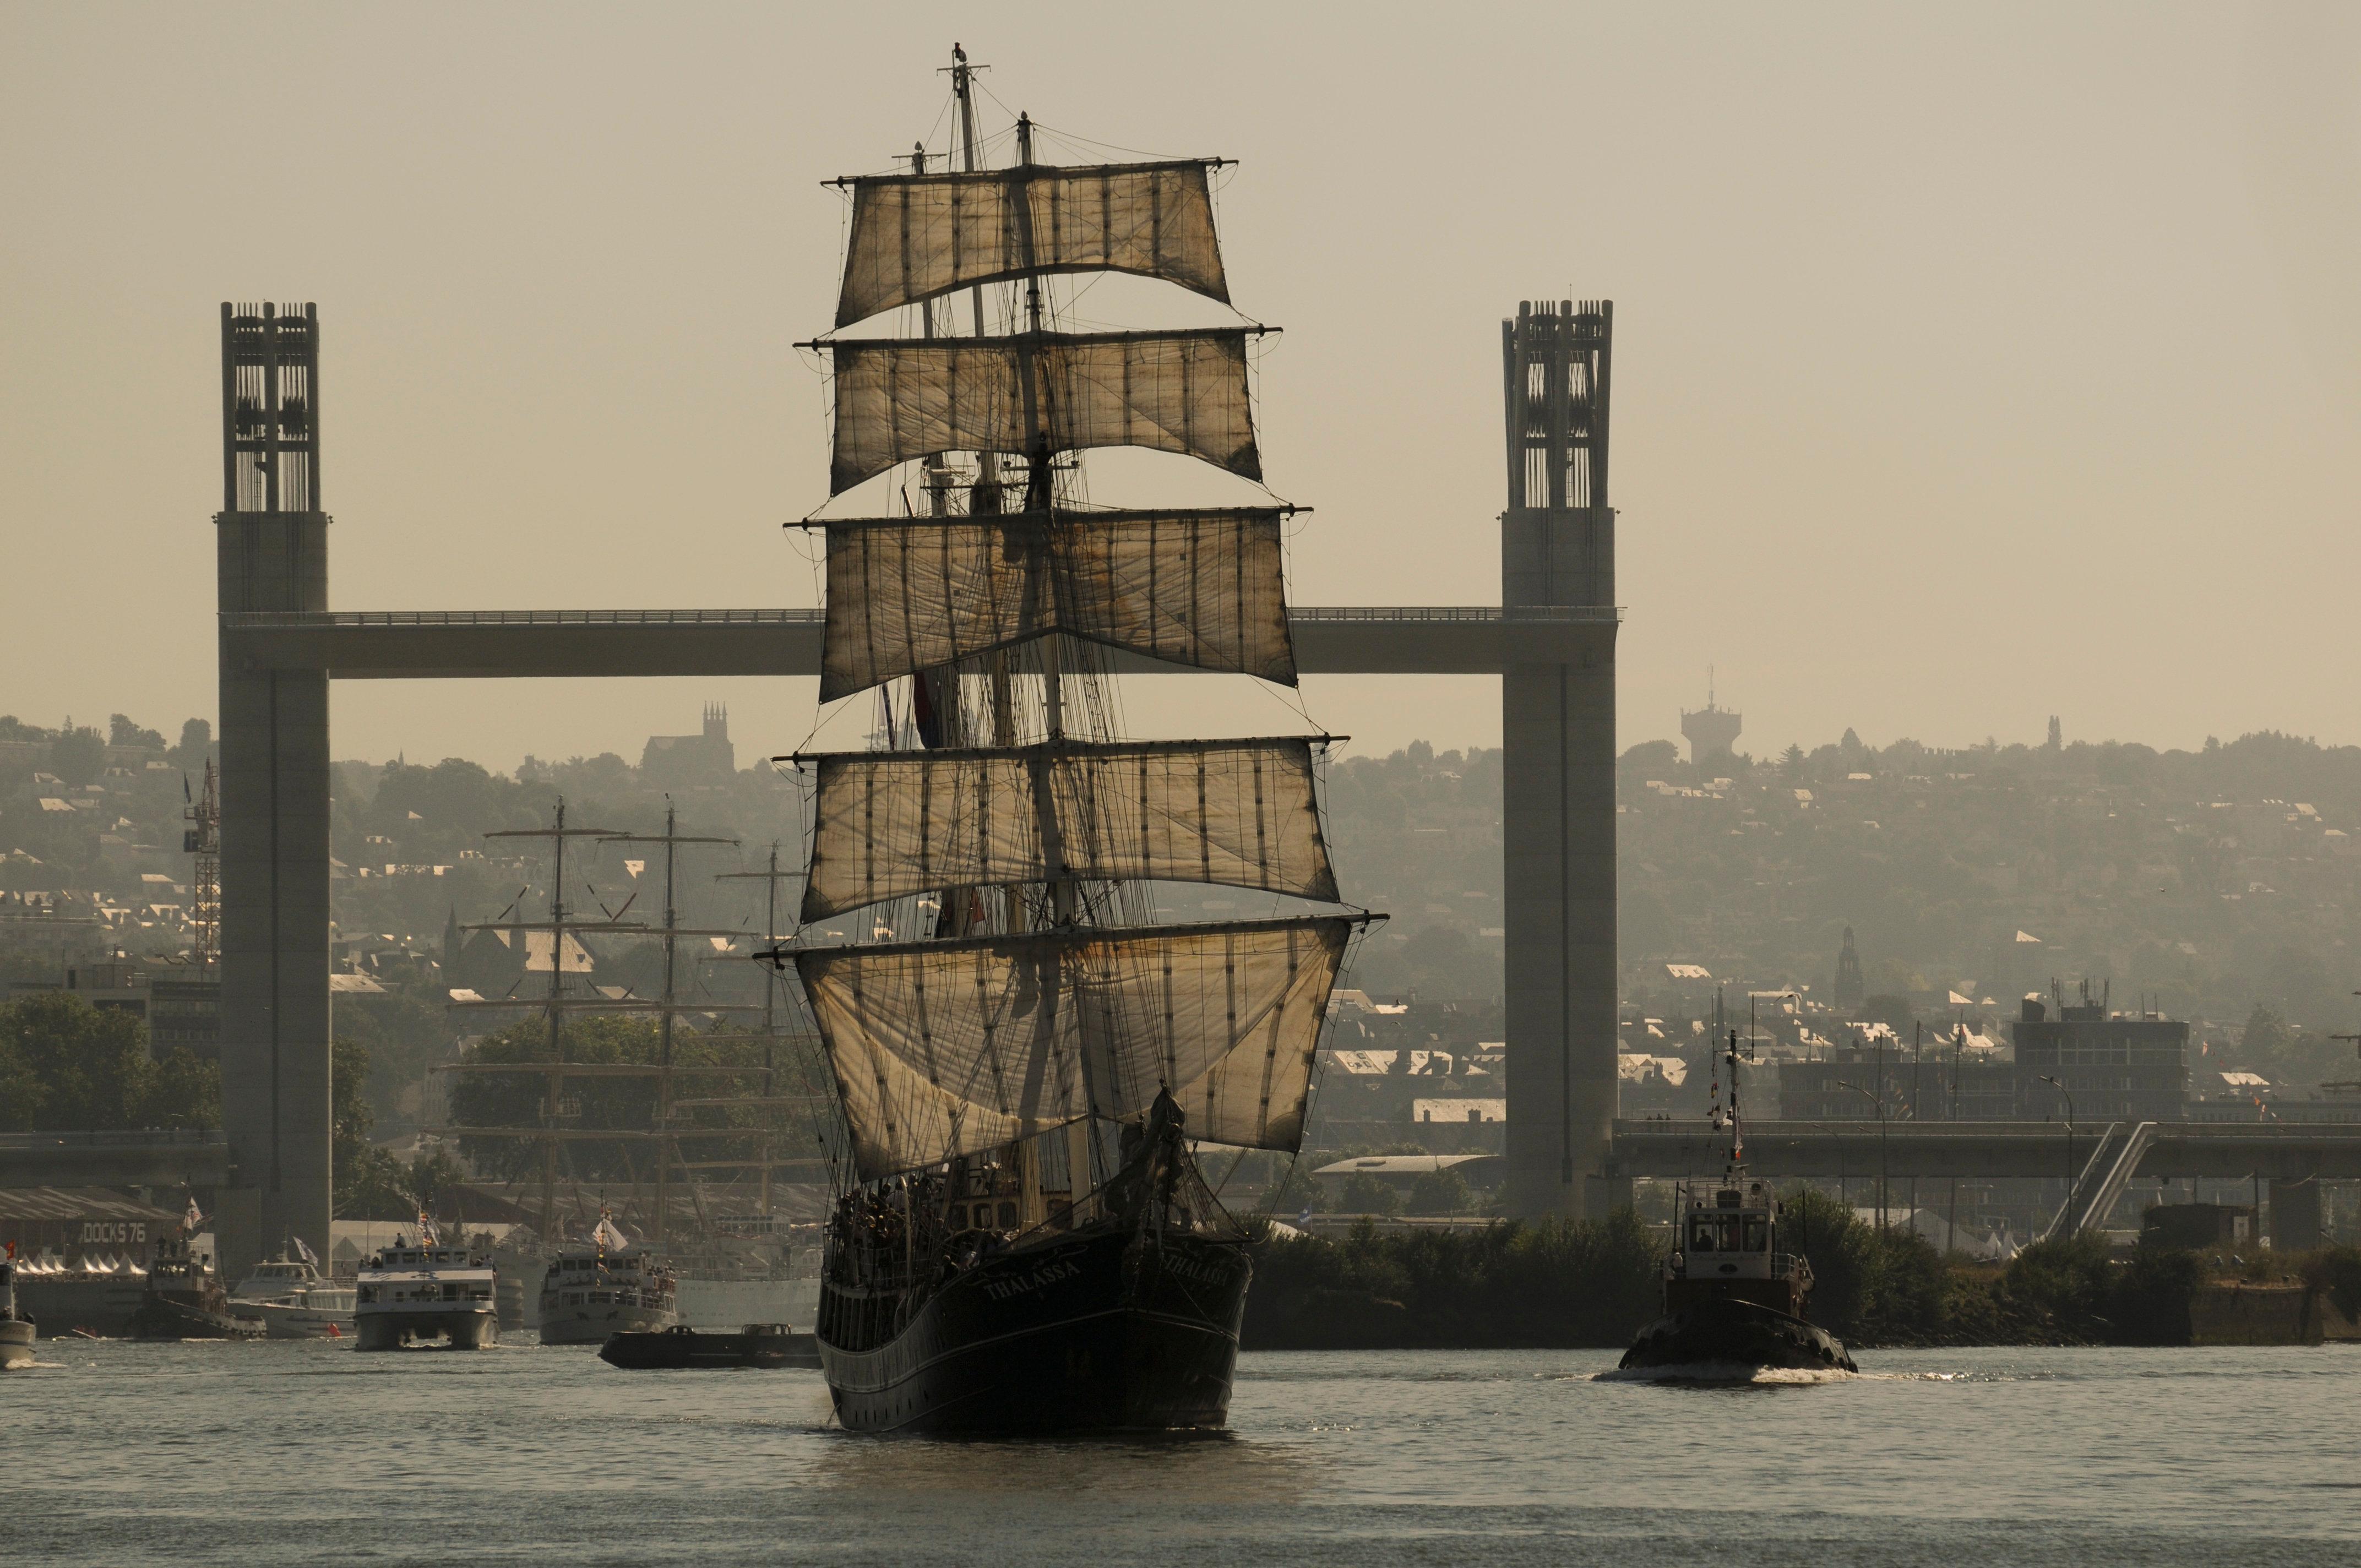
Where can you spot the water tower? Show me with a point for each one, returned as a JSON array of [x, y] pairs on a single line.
[[1712, 729]]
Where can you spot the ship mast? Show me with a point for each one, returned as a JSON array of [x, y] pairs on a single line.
[[555, 1070], [668, 1149]]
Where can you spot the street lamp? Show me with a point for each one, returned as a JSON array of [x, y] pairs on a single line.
[[1879, 1104], [2068, 1093]]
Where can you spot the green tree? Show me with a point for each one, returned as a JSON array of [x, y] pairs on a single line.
[[196, 737], [67, 1065], [1366, 1194], [2266, 1039], [1441, 1192], [349, 1116], [181, 1091], [88, 1065], [78, 756], [121, 731]]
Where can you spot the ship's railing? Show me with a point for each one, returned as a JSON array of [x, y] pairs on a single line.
[[282, 619], [270, 619], [1486, 614]]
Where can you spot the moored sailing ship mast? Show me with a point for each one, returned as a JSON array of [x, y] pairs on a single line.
[[555, 1068]]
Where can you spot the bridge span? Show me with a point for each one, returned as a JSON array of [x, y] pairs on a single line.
[[190, 1158], [1987, 1149]]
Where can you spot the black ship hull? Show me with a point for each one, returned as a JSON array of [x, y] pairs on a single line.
[[1735, 1335], [686, 1349], [1096, 1331], [167, 1317]]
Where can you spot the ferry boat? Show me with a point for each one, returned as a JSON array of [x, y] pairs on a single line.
[[415, 1294], [291, 1298], [15, 1328], [609, 1288], [1734, 1303]]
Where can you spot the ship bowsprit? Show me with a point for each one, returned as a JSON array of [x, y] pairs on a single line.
[[1110, 1330]]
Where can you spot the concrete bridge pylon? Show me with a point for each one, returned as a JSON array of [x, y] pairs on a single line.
[[271, 553], [1557, 727]]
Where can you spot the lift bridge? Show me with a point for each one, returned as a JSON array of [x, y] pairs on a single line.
[[1551, 640]]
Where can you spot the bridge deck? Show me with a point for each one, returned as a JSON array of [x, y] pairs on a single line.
[[196, 1158], [1986, 1149], [1439, 640]]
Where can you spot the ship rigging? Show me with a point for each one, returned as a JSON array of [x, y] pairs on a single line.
[[1025, 1068]]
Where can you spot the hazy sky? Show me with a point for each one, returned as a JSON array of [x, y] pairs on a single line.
[[1973, 364]]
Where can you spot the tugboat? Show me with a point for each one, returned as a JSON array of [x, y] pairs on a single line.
[[422, 1293], [183, 1301], [15, 1328], [1734, 1304], [611, 1288]]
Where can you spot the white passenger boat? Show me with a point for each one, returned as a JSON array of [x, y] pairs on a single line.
[[608, 1288], [292, 1299], [15, 1331], [425, 1293]]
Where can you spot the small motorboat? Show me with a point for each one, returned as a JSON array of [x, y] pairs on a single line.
[[756, 1345], [1734, 1304]]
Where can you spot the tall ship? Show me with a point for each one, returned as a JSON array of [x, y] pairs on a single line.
[[426, 1292], [607, 1287], [1026, 1056], [651, 1123]]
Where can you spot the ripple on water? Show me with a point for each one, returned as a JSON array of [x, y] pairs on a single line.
[[308, 1453]]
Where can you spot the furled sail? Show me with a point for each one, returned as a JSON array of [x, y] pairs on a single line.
[[945, 1048], [916, 237], [1238, 813], [1172, 391], [1204, 588]]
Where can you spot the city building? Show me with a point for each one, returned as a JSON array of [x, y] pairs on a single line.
[[684, 762], [2100, 1066], [178, 1010]]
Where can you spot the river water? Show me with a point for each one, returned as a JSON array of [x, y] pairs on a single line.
[[116, 1454]]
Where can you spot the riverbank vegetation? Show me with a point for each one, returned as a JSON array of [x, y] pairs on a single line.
[[1569, 1284]]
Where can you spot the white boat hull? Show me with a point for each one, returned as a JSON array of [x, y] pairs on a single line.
[[454, 1331], [16, 1344], [592, 1324], [301, 1323]]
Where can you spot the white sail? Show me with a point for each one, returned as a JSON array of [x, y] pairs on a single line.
[[1200, 588], [1172, 391], [916, 237], [1237, 813], [945, 1048]]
